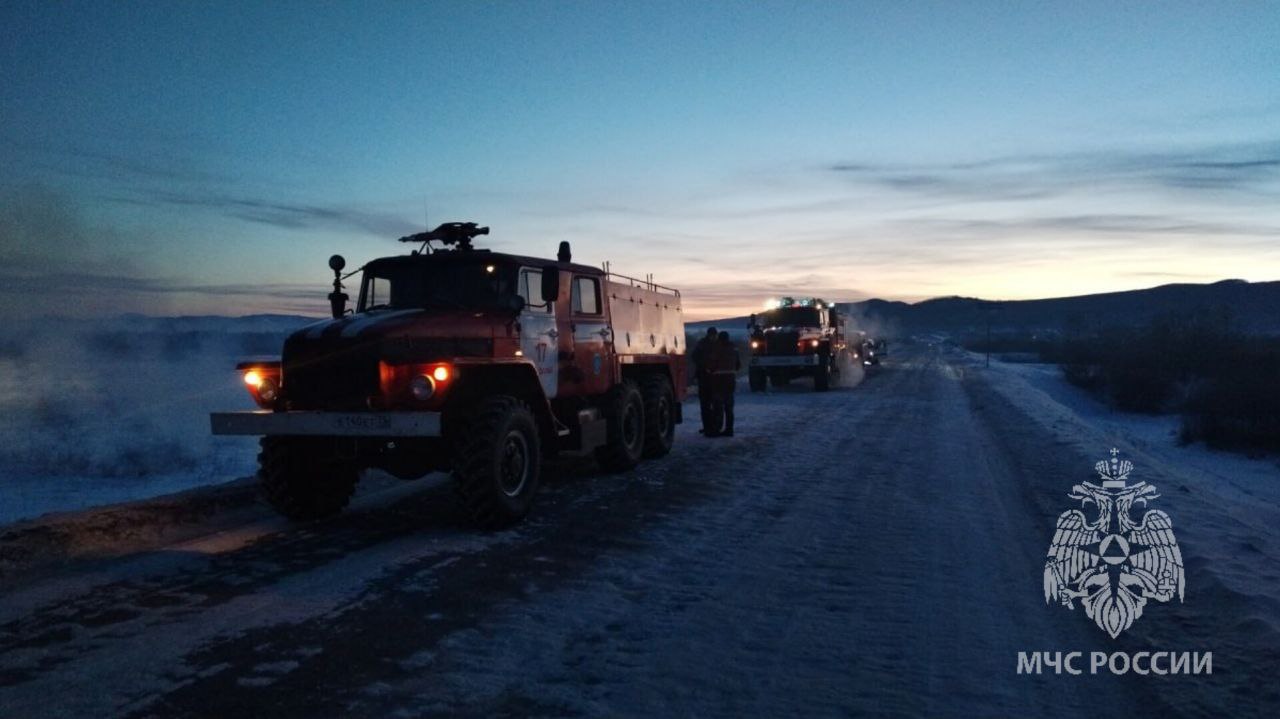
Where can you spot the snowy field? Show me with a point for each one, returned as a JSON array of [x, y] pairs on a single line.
[[99, 411]]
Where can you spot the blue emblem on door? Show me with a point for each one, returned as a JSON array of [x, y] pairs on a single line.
[[596, 363]]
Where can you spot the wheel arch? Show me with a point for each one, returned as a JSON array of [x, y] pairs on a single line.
[[639, 372], [515, 379]]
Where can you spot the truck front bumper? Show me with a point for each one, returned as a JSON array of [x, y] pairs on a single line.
[[785, 361], [327, 424]]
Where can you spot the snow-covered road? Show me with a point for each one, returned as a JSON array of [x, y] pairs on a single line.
[[869, 551]]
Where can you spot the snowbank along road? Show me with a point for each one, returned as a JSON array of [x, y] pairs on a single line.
[[875, 550]]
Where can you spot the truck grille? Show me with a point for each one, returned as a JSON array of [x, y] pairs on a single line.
[[428, 349], [325, 375], [782, 343]]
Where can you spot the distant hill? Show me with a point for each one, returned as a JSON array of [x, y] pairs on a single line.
[[1251, 307]]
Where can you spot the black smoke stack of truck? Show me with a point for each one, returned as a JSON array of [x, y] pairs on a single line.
[[797, 337], [470, 361]]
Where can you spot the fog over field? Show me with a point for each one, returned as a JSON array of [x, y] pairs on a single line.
[[93, 411]]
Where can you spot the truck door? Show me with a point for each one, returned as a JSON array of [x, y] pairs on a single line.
[[538, 330], [592, 337]]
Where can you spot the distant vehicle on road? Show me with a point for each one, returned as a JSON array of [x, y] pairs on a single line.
[[476, 362], [873, 350], [798, 337]]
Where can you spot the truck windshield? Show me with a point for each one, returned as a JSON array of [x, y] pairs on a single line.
[[414, 285], [792, 317]]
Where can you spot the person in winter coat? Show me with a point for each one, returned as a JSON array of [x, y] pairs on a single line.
[[701, 371], [725, 364]]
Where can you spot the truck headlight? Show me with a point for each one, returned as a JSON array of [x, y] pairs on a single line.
[[417, 382], [268, 389], [422, 387], [262, 381]]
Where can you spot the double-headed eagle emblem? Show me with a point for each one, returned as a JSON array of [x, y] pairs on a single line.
[[1113, 565]]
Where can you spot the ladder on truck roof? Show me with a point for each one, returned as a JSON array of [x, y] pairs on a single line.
[[647, 283]]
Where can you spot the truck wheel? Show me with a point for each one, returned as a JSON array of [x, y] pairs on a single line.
[[497, 462], [822, 376], [659, 415], [756, 378], [624, 412], [302, 479]]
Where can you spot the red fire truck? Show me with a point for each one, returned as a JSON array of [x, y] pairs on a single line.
[[797, 337], [460, 359]]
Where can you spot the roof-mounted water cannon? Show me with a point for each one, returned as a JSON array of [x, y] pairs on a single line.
[[459, 234]]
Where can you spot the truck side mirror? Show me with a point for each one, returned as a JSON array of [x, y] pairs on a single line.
[[550, 285]]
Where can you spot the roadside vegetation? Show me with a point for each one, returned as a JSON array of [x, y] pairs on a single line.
[[1225, 384]]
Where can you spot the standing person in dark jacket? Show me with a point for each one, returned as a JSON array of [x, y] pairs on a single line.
[[724, 368], [702, 372]]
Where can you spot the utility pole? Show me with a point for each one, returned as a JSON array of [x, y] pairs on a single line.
[[987, 309]]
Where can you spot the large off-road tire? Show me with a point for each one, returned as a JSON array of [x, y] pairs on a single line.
[[822, 375], [756, 378], [624, 412], [659, 415], [303, 479], [497, 462]]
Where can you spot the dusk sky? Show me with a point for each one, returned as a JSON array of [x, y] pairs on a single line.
[[180, 158]]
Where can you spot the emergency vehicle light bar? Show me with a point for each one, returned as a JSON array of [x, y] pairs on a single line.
[[796, 302]]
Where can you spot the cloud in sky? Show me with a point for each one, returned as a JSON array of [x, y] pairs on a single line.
[[293, 216], [54, 262], [1006, 226], [1247, 168], [853, 229], [185, 181]]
